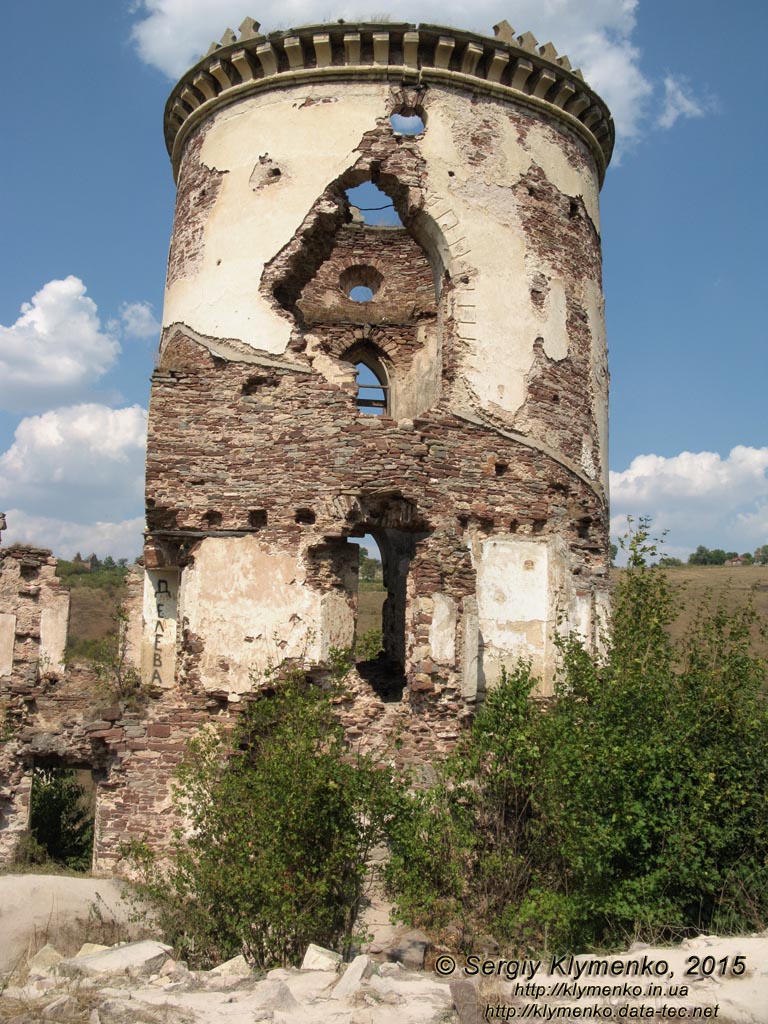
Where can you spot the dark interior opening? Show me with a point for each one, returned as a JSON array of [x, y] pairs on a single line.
[[61, 816]]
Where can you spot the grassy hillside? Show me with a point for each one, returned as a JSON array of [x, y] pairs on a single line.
[[734, 586]]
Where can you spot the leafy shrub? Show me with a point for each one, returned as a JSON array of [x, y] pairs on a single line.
[[110, 661], [60, 822], [369, 645], [281, 820], [635, 805]]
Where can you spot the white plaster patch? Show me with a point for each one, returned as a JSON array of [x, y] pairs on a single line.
[[556, 330], [337, 623], [512, 581], [442, 632], [252, 609], [543, 146], [515, 606], [594, 303], [158, 660], [54, 621], [7, 637], [587, 461]]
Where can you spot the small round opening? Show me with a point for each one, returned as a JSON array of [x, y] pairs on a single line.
[[360, 282], [407, 122]]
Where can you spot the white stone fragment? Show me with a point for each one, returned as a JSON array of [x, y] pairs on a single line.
[[134, 958], [317, 958], [44, 960], [90, 947], [238, 966], [353, 977], [274, 995]]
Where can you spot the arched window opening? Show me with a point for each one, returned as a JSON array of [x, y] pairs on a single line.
[[372, 390], [373, 206]]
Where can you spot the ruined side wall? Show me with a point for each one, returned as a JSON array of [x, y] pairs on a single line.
[[34, 612]]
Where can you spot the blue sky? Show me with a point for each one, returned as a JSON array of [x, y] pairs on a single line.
[[87, 204]]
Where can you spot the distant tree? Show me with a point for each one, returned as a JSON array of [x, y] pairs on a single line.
[[123, 563], [747, 557], [370, 568], [614, 552], [701, 556], [761, 553], [705, 556], [108, 563], [668, 562]]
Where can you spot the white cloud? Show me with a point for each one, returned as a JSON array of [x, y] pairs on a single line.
[[679, 101], [83, 462], [595, 34], [138, 320], [699, 497], [121, 539], [55, 348]]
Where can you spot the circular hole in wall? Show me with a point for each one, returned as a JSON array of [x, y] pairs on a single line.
[[361, 282], [408, 121]]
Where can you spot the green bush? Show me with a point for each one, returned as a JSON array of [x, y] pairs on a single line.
[[282, 817], [633, 806], [60, 822]]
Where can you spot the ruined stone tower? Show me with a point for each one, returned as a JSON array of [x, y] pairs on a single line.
[[473, 449], [480, 322]]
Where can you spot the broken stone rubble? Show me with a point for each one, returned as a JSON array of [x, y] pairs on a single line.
[[366, 991]]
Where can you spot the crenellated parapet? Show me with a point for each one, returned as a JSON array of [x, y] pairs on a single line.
[[508, 67]]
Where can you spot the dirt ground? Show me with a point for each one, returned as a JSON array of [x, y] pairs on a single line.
[[369, 604], [91, 612]]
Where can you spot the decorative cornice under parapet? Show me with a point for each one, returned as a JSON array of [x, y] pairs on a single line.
[[509, 68]]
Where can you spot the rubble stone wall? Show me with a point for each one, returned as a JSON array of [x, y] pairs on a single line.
[[483, 475]]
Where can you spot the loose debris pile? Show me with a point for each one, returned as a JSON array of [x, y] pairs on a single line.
[[141, 983]]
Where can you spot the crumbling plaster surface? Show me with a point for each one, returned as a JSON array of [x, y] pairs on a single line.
[[476, 157], [489, 148], [250, 608], [248, 226]]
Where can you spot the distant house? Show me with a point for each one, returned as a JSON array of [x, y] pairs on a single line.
[[735, 561]]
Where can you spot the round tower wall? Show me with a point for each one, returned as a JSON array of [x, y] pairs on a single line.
[[484, 478], [514, 199]]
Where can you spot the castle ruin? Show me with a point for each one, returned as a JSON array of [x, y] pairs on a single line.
[[438, 382]]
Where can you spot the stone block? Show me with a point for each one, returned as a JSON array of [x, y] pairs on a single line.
[[134, 958], [409, 950], [44, 960], [317, 958], [467, 1001], [238, 966], [353, 977]]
